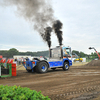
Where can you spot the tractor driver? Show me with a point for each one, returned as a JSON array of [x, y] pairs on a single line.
[[65, 54]]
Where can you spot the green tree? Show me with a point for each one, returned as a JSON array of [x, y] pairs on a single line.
[[76, 52], [94, 55], [82, 54], [12, 52]]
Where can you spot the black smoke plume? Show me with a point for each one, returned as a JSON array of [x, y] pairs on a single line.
[[37, 12], [57, 26], [47, 36], [40, 14]]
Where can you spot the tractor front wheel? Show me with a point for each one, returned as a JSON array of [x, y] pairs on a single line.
[[66, 66]]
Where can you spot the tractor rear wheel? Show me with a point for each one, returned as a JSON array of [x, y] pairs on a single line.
[[66, 66], [42, 67]]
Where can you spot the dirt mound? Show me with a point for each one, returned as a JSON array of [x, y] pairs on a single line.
[[94, 63]]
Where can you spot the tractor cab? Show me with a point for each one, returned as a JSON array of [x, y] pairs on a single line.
[[60, 52], [66, 52]]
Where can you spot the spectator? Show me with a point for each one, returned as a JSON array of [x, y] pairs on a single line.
[[16, 61]]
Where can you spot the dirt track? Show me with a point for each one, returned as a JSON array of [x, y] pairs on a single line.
[[78, 83]]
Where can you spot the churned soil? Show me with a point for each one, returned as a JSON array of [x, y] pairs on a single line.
[[78, 83], [94, 63]]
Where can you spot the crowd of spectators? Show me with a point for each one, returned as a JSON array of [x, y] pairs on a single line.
[[19, 61]]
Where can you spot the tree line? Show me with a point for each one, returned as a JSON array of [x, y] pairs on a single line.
[[11, 52]]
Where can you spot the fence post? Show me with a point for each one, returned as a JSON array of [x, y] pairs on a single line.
[[0, 71], [13, 69]]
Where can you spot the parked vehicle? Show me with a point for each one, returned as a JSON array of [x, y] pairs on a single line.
[[77, 58], [95, 51]]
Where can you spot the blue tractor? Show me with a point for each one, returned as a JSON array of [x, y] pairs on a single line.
[[59, 57]]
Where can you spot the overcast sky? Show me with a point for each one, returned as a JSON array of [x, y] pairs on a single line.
[[81, 27]]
